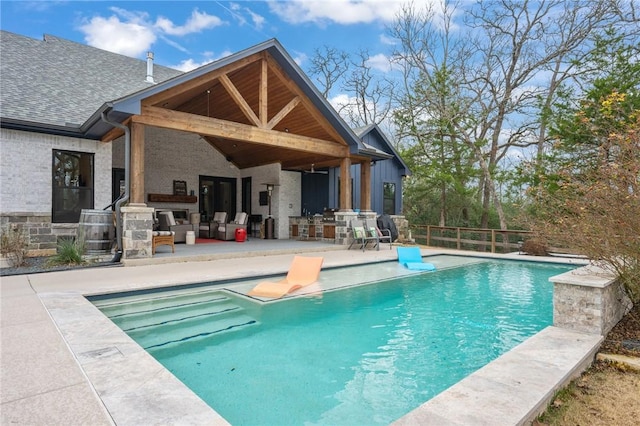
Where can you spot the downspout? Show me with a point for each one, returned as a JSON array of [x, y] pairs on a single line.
[[127, 170]]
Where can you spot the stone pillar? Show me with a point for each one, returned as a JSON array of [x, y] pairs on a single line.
[[404, 233], [343, 219], [137, 227], [588, 300]]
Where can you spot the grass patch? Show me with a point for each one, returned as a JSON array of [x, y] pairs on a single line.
[[602, 395]]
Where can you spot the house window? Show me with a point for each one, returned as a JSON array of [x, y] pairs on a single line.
[[389, 198], [72, 185]]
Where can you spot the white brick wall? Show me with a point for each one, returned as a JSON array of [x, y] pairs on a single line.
[[173, 155], [25, 169]]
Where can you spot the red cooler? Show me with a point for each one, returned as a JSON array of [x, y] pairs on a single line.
[[241, 235]]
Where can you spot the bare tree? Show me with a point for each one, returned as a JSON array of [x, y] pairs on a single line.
[[328, 66], [368, 93], [371, 93]]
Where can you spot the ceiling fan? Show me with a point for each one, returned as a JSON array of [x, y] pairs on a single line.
[[314, 171]]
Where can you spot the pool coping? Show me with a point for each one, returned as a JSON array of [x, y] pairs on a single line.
[[133, 388]]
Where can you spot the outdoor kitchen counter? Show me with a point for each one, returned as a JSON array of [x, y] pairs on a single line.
[[311, 227]]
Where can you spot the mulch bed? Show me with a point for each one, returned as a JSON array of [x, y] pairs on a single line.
[[624, 338], [34, 265]]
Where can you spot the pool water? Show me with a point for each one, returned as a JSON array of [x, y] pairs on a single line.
[[362, 355]]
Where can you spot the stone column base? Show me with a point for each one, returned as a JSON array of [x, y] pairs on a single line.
[[137, 229]]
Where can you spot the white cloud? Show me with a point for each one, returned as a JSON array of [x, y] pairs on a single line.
[[300, 58], [237, 12], [131, 38], [174, 44], [190, 64], [258, 20], [384, 39], [132, 33], [344, 104], [379, 62], [197, 22], [338, 11]]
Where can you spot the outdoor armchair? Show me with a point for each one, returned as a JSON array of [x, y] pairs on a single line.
[[361, 236], [167, 222], [210, 229], [383, 235], [227, 231]]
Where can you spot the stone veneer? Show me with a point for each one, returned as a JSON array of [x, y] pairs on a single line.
[[42, 235], [137, 225], [589, 300]]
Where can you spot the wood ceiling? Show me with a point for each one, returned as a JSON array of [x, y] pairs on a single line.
[[251, 112]]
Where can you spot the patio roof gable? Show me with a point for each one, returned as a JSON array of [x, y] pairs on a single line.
[[260, 87]]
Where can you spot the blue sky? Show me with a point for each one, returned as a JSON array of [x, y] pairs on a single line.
[[187, 34]]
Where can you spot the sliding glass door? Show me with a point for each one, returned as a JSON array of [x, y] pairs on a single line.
[[217, 194]]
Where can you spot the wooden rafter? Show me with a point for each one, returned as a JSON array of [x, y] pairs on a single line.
[[239, 100], [283, 113], [263, 99]]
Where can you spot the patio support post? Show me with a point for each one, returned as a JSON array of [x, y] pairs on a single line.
[[365, 186], [137, 163], [345, 184]]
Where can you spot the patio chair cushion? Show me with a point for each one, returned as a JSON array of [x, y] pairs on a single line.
[[170, 218], [160, 238]]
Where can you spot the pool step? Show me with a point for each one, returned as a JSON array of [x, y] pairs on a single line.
[[165, 316], [154, 302], [162, 320], [157, 337]]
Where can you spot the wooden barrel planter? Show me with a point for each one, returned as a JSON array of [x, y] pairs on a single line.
[[96, 231]]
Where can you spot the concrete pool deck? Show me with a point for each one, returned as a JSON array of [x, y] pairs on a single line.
[[62, 362]]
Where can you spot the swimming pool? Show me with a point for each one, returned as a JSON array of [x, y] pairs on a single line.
[[367, 354]]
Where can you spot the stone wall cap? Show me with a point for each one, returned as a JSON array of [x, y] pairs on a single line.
[[586, 276], [137, 208]]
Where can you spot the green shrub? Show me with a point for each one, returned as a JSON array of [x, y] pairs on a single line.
[[69, 253]]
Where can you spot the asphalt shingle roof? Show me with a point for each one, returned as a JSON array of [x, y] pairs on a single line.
[[59, 82]]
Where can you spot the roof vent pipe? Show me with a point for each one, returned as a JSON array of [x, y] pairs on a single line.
[[150, 67]]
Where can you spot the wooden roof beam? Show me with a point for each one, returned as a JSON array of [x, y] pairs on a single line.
[[208, 126], [239, 100], [263, 95], [283, 112]]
